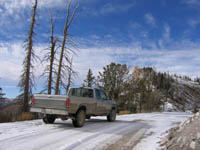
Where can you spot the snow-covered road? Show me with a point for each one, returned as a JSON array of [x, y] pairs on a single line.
[[136, 131]]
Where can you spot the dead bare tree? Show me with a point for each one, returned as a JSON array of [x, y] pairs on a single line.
[[50, 56], [27, 79], [71, 73], [64, 53]]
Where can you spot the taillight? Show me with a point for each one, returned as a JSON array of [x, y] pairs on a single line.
[[67, 102], [33, 100]]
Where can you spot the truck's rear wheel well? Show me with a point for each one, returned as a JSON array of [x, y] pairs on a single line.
[[81, 108]]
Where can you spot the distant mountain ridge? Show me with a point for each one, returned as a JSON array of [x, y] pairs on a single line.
[[4, 102]]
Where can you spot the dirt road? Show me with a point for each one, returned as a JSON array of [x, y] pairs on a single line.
[[126, 133]]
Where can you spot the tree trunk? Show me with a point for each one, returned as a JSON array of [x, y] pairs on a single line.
[[68, 22], [28, 63], [68, 84], [53, 44], [59, 71], [70, 71]]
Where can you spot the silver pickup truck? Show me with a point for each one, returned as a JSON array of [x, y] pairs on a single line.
[[80, 104]]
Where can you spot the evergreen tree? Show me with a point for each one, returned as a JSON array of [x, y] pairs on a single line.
[[112, 79], [89, 81], [197, 79]]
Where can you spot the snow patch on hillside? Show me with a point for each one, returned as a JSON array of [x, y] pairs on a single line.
[[169, 107]]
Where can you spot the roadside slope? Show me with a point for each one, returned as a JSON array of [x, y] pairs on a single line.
[[186, 136]]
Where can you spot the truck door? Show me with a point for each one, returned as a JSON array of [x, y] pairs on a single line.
[[106, 105], [88, 100], [100, 103]]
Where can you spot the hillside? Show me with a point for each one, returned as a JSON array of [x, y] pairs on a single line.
[[186, 95], [173, 93]]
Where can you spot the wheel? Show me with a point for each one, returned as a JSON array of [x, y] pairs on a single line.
[[49, 119], [112, 115], [88, 117], [79, 118]]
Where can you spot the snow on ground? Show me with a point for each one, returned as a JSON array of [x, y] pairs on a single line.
[[169, 107], [135, 131], [189, 83], [160, 124]]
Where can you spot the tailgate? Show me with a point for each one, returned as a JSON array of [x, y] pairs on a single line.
[[50, 101]]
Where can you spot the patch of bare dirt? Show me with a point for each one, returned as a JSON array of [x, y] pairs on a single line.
[[128, 141]]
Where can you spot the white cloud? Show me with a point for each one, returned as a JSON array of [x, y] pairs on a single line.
[[108, 8], [93, 58], [185, 62], [88, 12], [192, 2], [180, 61], [52, 3], [165, 36], [115, 8], [166, 33], [194, 22], [150, 19], [12, 5], [16, 10], [135, 25], [11, 60]]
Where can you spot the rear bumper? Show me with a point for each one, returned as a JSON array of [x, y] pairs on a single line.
[[49, 111]]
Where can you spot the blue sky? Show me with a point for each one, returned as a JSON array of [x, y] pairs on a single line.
[[164, 34]]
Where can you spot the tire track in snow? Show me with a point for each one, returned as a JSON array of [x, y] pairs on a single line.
[[56, 136], [105, 136]]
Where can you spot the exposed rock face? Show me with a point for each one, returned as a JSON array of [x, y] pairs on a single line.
[[138, 73], [184, 137]]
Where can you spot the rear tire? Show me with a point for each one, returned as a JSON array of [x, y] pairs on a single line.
[[49, 119], [79, 118], [112, 115]]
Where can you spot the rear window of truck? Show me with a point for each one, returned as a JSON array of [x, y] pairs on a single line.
[[81, 92], [75, 92]]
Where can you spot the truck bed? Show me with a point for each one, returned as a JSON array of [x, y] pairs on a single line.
[[53, 104]]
